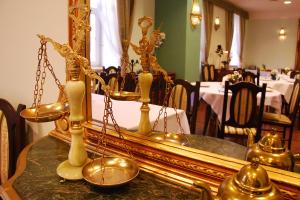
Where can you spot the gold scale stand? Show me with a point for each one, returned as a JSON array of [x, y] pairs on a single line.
[[71, 169]]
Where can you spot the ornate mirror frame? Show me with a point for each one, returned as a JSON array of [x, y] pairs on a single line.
[[179, 164]]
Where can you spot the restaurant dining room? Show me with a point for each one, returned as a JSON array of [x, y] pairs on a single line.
[[150, 99]]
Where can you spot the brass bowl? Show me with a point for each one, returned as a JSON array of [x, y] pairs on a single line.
[[110, 171], [175, 138], [46, 112], [125, 96]]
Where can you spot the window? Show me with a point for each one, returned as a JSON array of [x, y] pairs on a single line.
[[105, 45], [236, 42]]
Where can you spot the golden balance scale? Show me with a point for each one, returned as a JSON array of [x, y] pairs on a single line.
[[104, 171], [78, 163]]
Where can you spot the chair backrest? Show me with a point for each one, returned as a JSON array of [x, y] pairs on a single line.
[[112, 70], [294, 74], [114, 82], [12, 138], [223, 72], [208, 72], [157, 90], [293, 105], [130, 82], [98, 89], [243, 112], [185, 96], [251, 77]]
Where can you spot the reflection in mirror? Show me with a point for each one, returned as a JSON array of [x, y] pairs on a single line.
[[107, 50]]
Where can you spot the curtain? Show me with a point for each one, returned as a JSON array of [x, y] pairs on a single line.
[[228, 29], [235, 50], [208, 12], [105, 41], [242, 33], [125, 18]]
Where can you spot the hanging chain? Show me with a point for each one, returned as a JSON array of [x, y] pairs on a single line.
[[38, 74], [116, 126], [163, 109], [41, 76], [49, 66], [102, 136], [43, 79]]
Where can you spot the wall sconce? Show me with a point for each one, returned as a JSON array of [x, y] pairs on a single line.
[[217, 23], [195, 15], [282, 34]]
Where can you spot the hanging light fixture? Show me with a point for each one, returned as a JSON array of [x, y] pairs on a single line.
[[195, 15], [217, 23], [282, 34]]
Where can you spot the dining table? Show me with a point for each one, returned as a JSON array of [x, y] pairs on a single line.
[[283, 84], [127, 115]]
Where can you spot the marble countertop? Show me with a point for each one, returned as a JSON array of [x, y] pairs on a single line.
[[40, 181]]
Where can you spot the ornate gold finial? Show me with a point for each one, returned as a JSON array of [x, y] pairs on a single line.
[[80, 15], [146, 47]]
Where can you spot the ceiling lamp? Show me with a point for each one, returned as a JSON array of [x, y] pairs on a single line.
[[287, 1], [195, 15], [282, 34]]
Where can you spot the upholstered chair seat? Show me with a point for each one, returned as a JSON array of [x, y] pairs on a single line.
[[277, 118], [287, 119]]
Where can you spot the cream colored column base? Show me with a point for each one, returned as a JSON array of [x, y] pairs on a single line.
[[145, 81], [70, 172], [144, 125]]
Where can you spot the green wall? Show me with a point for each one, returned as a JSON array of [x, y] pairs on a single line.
[[181, 50], [171, 15]]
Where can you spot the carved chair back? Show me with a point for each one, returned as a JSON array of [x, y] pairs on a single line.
[[12, 138]]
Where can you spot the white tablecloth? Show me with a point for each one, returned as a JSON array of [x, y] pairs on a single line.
[[127, 115], [213, 94], [284, 85]]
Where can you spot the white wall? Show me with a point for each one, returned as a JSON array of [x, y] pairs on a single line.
[[141, 8], [20, 21], [217, 37], [262, 45]]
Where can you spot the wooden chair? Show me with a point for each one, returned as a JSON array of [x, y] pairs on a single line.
[[130, 82], [208, 72], [114, 81], [287, 119], [223, 72], [243, 112], [295, 74], [97, 86], [185, 96], [112, 70], [13, 138], [251, 77], [158, 89]]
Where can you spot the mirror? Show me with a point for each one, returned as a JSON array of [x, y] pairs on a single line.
[[213, 145], [181, 164]]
